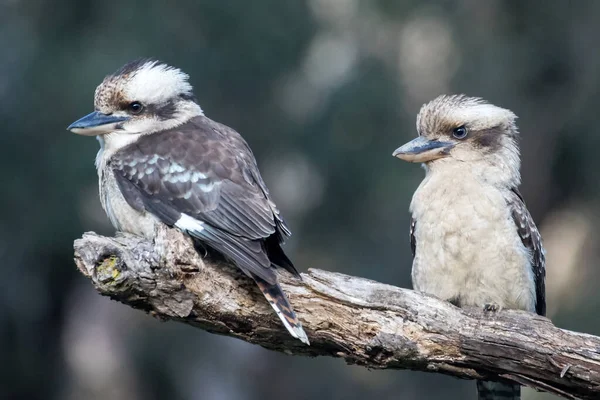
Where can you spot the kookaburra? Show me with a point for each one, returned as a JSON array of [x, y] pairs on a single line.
[[473, 241], [161, 161]]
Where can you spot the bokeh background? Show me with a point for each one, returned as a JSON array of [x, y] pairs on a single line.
[[324, 91]]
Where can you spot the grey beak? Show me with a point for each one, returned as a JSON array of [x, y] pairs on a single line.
[[423, 150], [96, 123]]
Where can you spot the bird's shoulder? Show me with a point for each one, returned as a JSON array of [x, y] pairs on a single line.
[[197, 146]]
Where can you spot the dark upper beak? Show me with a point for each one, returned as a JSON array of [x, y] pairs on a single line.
[[423, 150], [96, 123]]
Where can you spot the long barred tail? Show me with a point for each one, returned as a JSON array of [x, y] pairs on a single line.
[[487, 390], [280, 303]]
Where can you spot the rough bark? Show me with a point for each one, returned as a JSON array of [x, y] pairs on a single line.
[[364, 322]]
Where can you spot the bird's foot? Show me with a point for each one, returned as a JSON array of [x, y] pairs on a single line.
[[492, 307], [455, 301]]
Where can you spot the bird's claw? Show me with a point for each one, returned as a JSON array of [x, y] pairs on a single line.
[[491, 307]]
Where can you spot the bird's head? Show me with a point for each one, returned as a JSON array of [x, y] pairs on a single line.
[[143, 96], [462, 129]]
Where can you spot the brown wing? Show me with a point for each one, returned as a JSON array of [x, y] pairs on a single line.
[[413, 241], [207, 172], [532, 240]]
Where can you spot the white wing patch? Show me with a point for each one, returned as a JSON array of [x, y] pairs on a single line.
[[189, 224]]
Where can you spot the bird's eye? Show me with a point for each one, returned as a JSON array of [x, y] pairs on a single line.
[[135, 107], [460, 132]]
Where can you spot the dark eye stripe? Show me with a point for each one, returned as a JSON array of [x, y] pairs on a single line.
[[488, 138]]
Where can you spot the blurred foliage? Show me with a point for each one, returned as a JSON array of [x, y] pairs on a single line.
[[324, 91]]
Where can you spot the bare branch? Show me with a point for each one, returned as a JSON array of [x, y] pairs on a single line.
[[365, 322]]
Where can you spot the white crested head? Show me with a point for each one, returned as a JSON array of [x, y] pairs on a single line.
[[154, 82], [149, 82], [142, 97]]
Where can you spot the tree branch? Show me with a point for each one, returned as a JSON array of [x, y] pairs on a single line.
[[365, 322]]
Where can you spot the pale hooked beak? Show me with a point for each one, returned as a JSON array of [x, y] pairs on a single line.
[[422, 150], [96, 123]]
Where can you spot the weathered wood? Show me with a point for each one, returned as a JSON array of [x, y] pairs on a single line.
[[365, 322]]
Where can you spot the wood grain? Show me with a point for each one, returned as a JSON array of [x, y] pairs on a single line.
[[364, 322]]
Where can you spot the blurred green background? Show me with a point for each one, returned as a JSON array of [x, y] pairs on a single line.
[[324, 91]]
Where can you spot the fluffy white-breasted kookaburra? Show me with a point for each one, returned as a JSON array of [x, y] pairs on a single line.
[[161, 161], [473, 241]]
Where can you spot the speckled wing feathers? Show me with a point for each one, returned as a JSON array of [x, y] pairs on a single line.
[[413, 240], [207, 171], [532, 240]]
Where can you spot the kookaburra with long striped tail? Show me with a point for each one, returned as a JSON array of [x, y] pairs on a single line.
[[473, 241], [161, 161]]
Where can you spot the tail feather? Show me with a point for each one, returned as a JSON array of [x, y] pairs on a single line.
[[487, 390], [277, 255], [280, 303]]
